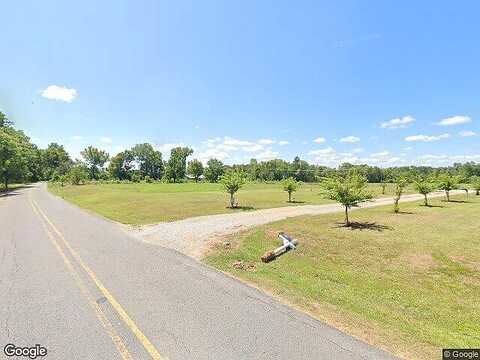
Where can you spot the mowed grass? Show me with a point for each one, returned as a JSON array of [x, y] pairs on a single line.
[[409, 283], [144, 203]]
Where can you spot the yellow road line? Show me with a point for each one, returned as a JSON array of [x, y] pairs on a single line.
[[122, 349], [149, 347]]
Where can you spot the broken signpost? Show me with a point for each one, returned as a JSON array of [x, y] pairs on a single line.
[[288, 244]]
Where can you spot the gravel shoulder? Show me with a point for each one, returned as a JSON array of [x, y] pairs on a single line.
[[195, 235]]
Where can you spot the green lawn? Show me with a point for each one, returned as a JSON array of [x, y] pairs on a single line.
[[143, 203], [409, 283]]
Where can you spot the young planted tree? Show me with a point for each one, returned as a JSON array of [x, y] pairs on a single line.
[[78, 174], [424, 187], [349, 190], [475, 183], [290, 185], [232, 181], [95, 160], [399, 185], [447, 183], [195, 169]]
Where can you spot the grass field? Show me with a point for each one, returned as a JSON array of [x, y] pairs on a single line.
[[409, 283], [143, 203]]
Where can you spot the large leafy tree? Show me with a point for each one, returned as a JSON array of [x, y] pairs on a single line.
[[232, 181], [195, 169], [214, 170], [55, 161], [349, 190], [475, 182], [121, 165], [16, 152], [149, 161], [177, 164], [95, 160]]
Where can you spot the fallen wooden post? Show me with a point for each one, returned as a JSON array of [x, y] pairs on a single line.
[[288, 244]]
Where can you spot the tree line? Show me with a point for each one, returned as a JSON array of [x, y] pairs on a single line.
[[23, 161]]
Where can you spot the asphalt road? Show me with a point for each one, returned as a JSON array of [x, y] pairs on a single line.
[[84, 289]]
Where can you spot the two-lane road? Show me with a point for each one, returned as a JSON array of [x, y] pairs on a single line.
[[84, 289]]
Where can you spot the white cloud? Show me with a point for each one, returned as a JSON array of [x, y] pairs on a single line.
[[350, 139], [283, 142], [380, 154], [398, 123], [426, 138], [319, 140], [266, 141], [106, 140], [467, 133], [61, 93], [454, 120], [267, 155], [408, 148], [211, 154], [165, 148], [358, 150], [322, 152], [252, 148], [77, 137], [235, 142]]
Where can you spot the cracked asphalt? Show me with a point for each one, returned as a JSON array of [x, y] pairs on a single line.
[[83, 288]]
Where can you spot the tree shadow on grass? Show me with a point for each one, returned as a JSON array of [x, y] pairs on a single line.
[[404, 213], [295, 202], [434, 206], [458, 201], [243, 208], [372, 226]]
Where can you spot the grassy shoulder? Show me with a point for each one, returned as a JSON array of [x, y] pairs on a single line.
[[409, 282], [143, 203]]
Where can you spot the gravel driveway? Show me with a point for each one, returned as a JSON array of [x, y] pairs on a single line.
[[193, 236]]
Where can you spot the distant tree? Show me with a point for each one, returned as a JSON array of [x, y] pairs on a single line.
[[423, 186], [399, 185], [447, 183], [55, 160], [290, 185], [121, 165], [77, 175], [95, 160], [475, 182], [195, 169], [214, 170], [349, 190], [177, 164], [149, 161], [232, 181]]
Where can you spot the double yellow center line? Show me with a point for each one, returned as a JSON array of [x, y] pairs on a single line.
[[107, 325]]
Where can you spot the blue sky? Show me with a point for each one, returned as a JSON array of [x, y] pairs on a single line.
[[242, 79]]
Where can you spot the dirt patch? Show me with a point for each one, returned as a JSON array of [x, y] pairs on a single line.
[[244, 265], [417, 261]]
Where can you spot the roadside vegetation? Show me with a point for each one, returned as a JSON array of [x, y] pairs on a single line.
[[408, 283]]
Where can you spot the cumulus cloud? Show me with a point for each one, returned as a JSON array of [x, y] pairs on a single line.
[[426, 138], [358, 150], [208, 154], [77, 137], [267, 155], [454, 120], [166, 148], [398, 123], [61, 93], [322, 152], [106, 140], [266, 141], [252, 148], [283, 142], [319, 140], [467, 133], [381, 154], [227, 140], [350, 139]]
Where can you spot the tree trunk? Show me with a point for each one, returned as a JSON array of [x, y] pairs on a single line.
[[396, 208], [6, 182], [447, 193], [478, 192], [289, 196], [232, 200], [383, 189], [426, 199], [347, 221]]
